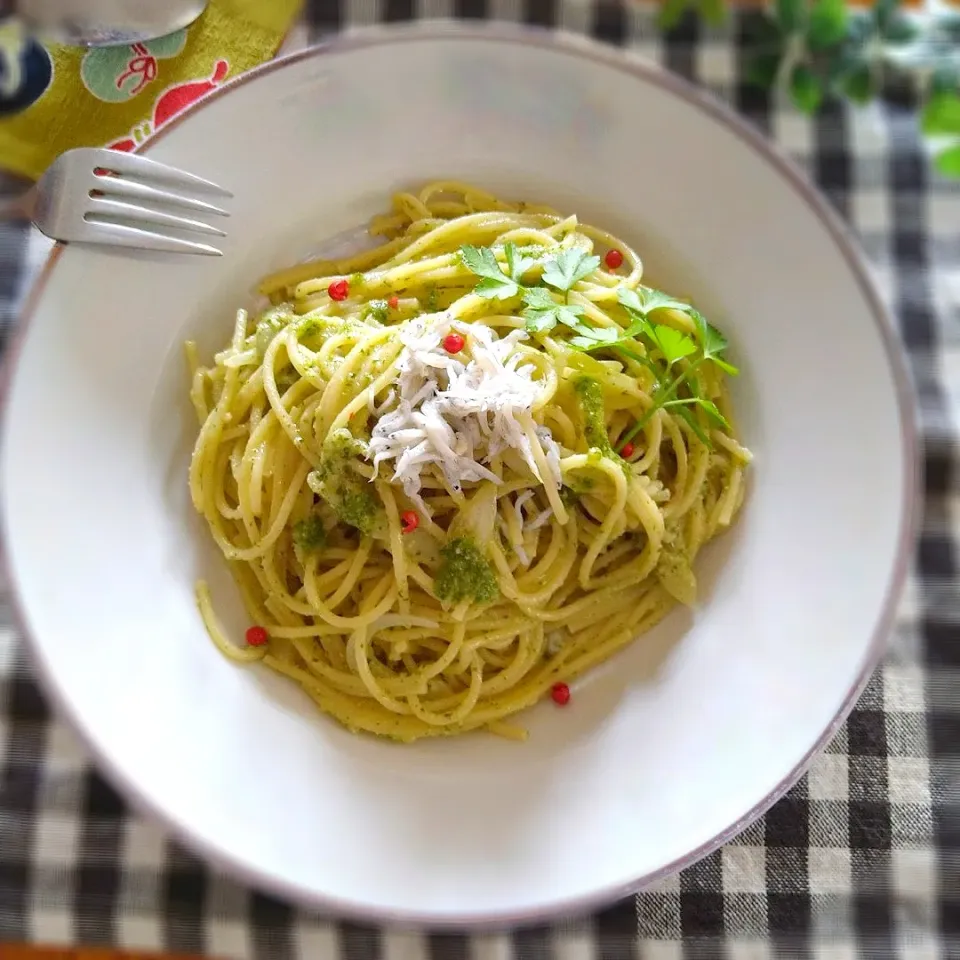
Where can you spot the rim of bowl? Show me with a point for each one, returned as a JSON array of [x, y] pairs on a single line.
[[712, 108]]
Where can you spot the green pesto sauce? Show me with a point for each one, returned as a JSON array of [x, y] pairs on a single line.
[[312, 326], [270, 323], [349, 495], [310, 534], [465, 574], [377, 310], [590, 396]]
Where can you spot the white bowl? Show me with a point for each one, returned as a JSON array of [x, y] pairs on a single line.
[[669, 749]]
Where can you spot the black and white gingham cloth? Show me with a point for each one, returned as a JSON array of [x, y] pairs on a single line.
[[860, 860]]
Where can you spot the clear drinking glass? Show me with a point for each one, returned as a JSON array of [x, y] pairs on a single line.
[[104, 22]]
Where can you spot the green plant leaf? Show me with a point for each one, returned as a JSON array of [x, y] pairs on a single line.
[[671, 13], [495, 283], [941, 115], [542, 313], [858, 84], [481, 261], [827, 25], [644, 300], [673, 344], [805, 89], [598, 337], [517, 264], [569, 267], [762, 70], [947, 161], [790, 14], [713, 343]]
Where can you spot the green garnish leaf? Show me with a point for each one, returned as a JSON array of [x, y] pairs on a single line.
[[465, 574], [673, 344], [595, 337], [708, 407], [567, 268], [712, 342], [644, 300], [517, 263], [310, 534], [495, 283], [542, 313]]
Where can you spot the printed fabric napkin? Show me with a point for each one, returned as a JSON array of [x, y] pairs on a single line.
[[54, 98]]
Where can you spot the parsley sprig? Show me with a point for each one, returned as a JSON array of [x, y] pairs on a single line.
[[496, 284], [642, 340], [542, 311], [675, 346]]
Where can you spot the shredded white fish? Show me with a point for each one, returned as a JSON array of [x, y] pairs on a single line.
[[459, 410]]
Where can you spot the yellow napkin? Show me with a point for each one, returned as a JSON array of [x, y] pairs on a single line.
[[118, 96]]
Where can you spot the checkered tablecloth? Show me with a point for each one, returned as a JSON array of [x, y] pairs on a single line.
[[860, 860]]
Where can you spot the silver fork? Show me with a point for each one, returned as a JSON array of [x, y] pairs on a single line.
[[90, 195]]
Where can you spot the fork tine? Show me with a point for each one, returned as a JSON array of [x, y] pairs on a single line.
[[120, 234], [132, 165], [132, 190], [104, 207]]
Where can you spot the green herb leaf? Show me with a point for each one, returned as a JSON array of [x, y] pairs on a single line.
[[827, 25], [644, 300], [713, 343], [481, 261], [805, 88], [567, 268], [673, 344], [517, 263], [948, 161], [941, 115], [543, 313], [495, 283], [594, 338], [790, 14], [707, 406]]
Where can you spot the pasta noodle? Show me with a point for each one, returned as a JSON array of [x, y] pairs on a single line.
[[451, 473]]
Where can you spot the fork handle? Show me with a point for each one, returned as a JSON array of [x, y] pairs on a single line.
[[20, 207]]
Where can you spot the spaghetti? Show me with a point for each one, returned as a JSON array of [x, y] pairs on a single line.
[[451, 473]]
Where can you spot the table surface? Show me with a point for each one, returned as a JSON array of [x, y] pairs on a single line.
[[860, 859]]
